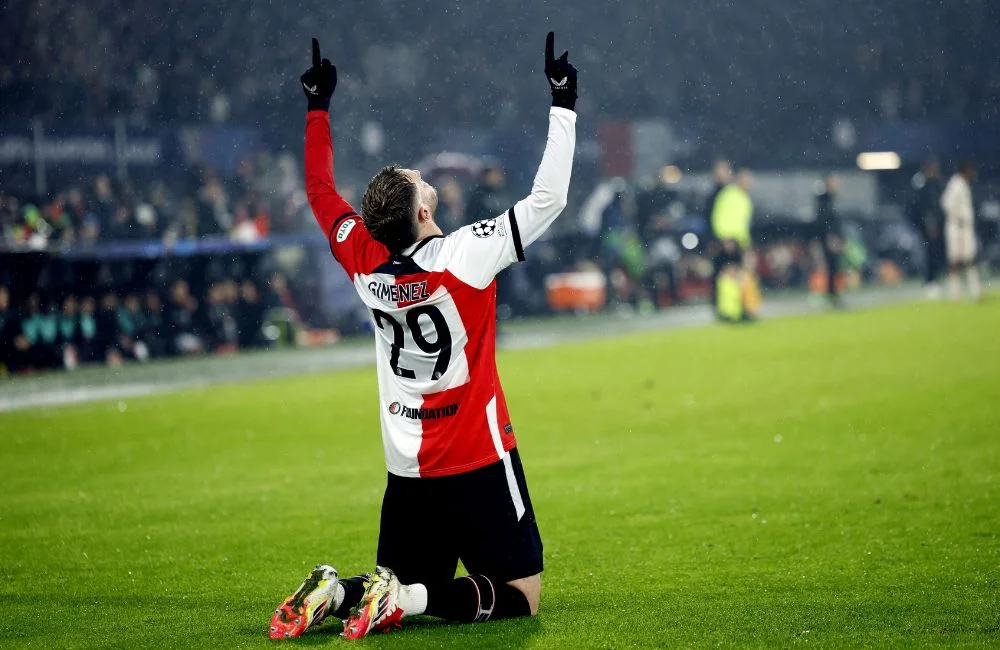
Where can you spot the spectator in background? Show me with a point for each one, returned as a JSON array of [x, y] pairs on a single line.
[[9, 217], [250, 316], [130, 323], [222, 334], [182, 320], [927, 217], [722, 175], [830, 235], [960, 231], [39, 332], [151, 325], [9, 327], [103, 203], [653, 203], [69, 332], [622, 253], [487, 198], [731, 218], [88, 344], [451, 211], [279, 296], [121, 227], [108, 340], [213, 208]]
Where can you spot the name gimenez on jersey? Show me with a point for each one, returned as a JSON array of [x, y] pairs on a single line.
[[408, 292], [423, 413]]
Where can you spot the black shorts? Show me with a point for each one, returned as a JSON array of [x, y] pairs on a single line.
[[429, 524]]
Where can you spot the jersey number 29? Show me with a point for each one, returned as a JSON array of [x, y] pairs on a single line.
[[441, 345]]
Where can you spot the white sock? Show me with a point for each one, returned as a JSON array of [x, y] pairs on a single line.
[[338, 598], [972, 278], [413, 599]]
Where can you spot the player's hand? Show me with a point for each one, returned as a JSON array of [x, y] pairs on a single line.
[[561, 75], [319, 81]]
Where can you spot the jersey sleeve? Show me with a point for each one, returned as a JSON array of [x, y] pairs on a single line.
[[350, 243], [483, 249]]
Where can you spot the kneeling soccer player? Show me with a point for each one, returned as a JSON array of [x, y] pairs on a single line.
[[456, 488]]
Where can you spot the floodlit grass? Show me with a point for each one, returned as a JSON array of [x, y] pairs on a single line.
[[830, 481]]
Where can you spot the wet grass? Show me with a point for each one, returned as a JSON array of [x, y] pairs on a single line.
[[829, 481]]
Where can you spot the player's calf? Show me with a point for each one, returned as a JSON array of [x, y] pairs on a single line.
[[531, 587]]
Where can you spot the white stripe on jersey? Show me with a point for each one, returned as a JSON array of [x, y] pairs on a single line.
[[508, 466]]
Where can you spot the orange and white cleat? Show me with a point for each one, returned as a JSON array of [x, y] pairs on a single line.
[[379, 609], [308, 606]]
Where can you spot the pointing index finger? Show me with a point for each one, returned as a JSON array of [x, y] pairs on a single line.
[[316, 60], [550, 44]]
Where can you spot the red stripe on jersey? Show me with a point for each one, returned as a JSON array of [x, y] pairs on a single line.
[[457, 443], [464, 441]]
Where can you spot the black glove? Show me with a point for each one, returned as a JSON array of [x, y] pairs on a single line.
[[319, 81], [561, 75]]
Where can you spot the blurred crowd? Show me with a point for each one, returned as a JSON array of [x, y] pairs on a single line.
[[745, 74], [264, 196], [44, 331]]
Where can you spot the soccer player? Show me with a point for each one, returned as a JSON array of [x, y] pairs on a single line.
[[960, 231], [456, 488]]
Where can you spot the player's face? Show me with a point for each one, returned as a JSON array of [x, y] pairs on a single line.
[[428, 195]]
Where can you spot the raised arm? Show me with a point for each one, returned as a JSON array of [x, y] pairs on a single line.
[[328, 206], [549, 192], [481, 250]]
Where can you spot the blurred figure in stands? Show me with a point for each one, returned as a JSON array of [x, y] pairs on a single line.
[[831, 236], [623, 256], [731, 218], [213, 207], [488, 198], [103, 202], [69, 332], [222, 334], [926, 215], [87, 343], [250, 316], [130, 328], [8, 332], [152, 324], [451, 210], [182, 320], [960, 231], [722, 175], [109, 334], [36, 342]]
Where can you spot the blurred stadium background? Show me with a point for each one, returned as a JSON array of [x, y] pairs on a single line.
[[829, 480], [150, 172]]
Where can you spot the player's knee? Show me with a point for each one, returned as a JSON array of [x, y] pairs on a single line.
[[532, 589]]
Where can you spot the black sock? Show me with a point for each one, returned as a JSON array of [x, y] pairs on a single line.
[[476, 599], [354, 589]]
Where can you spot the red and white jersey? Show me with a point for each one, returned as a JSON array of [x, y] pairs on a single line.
[[433, 306]]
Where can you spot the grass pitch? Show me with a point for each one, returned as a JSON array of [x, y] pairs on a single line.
[[827, 481]]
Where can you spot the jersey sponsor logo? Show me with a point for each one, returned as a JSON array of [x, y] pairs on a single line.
[[487, 228], [406, 292], [345, 230], [423, 414]]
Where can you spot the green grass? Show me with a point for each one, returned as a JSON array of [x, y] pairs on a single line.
[[828, 481]]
